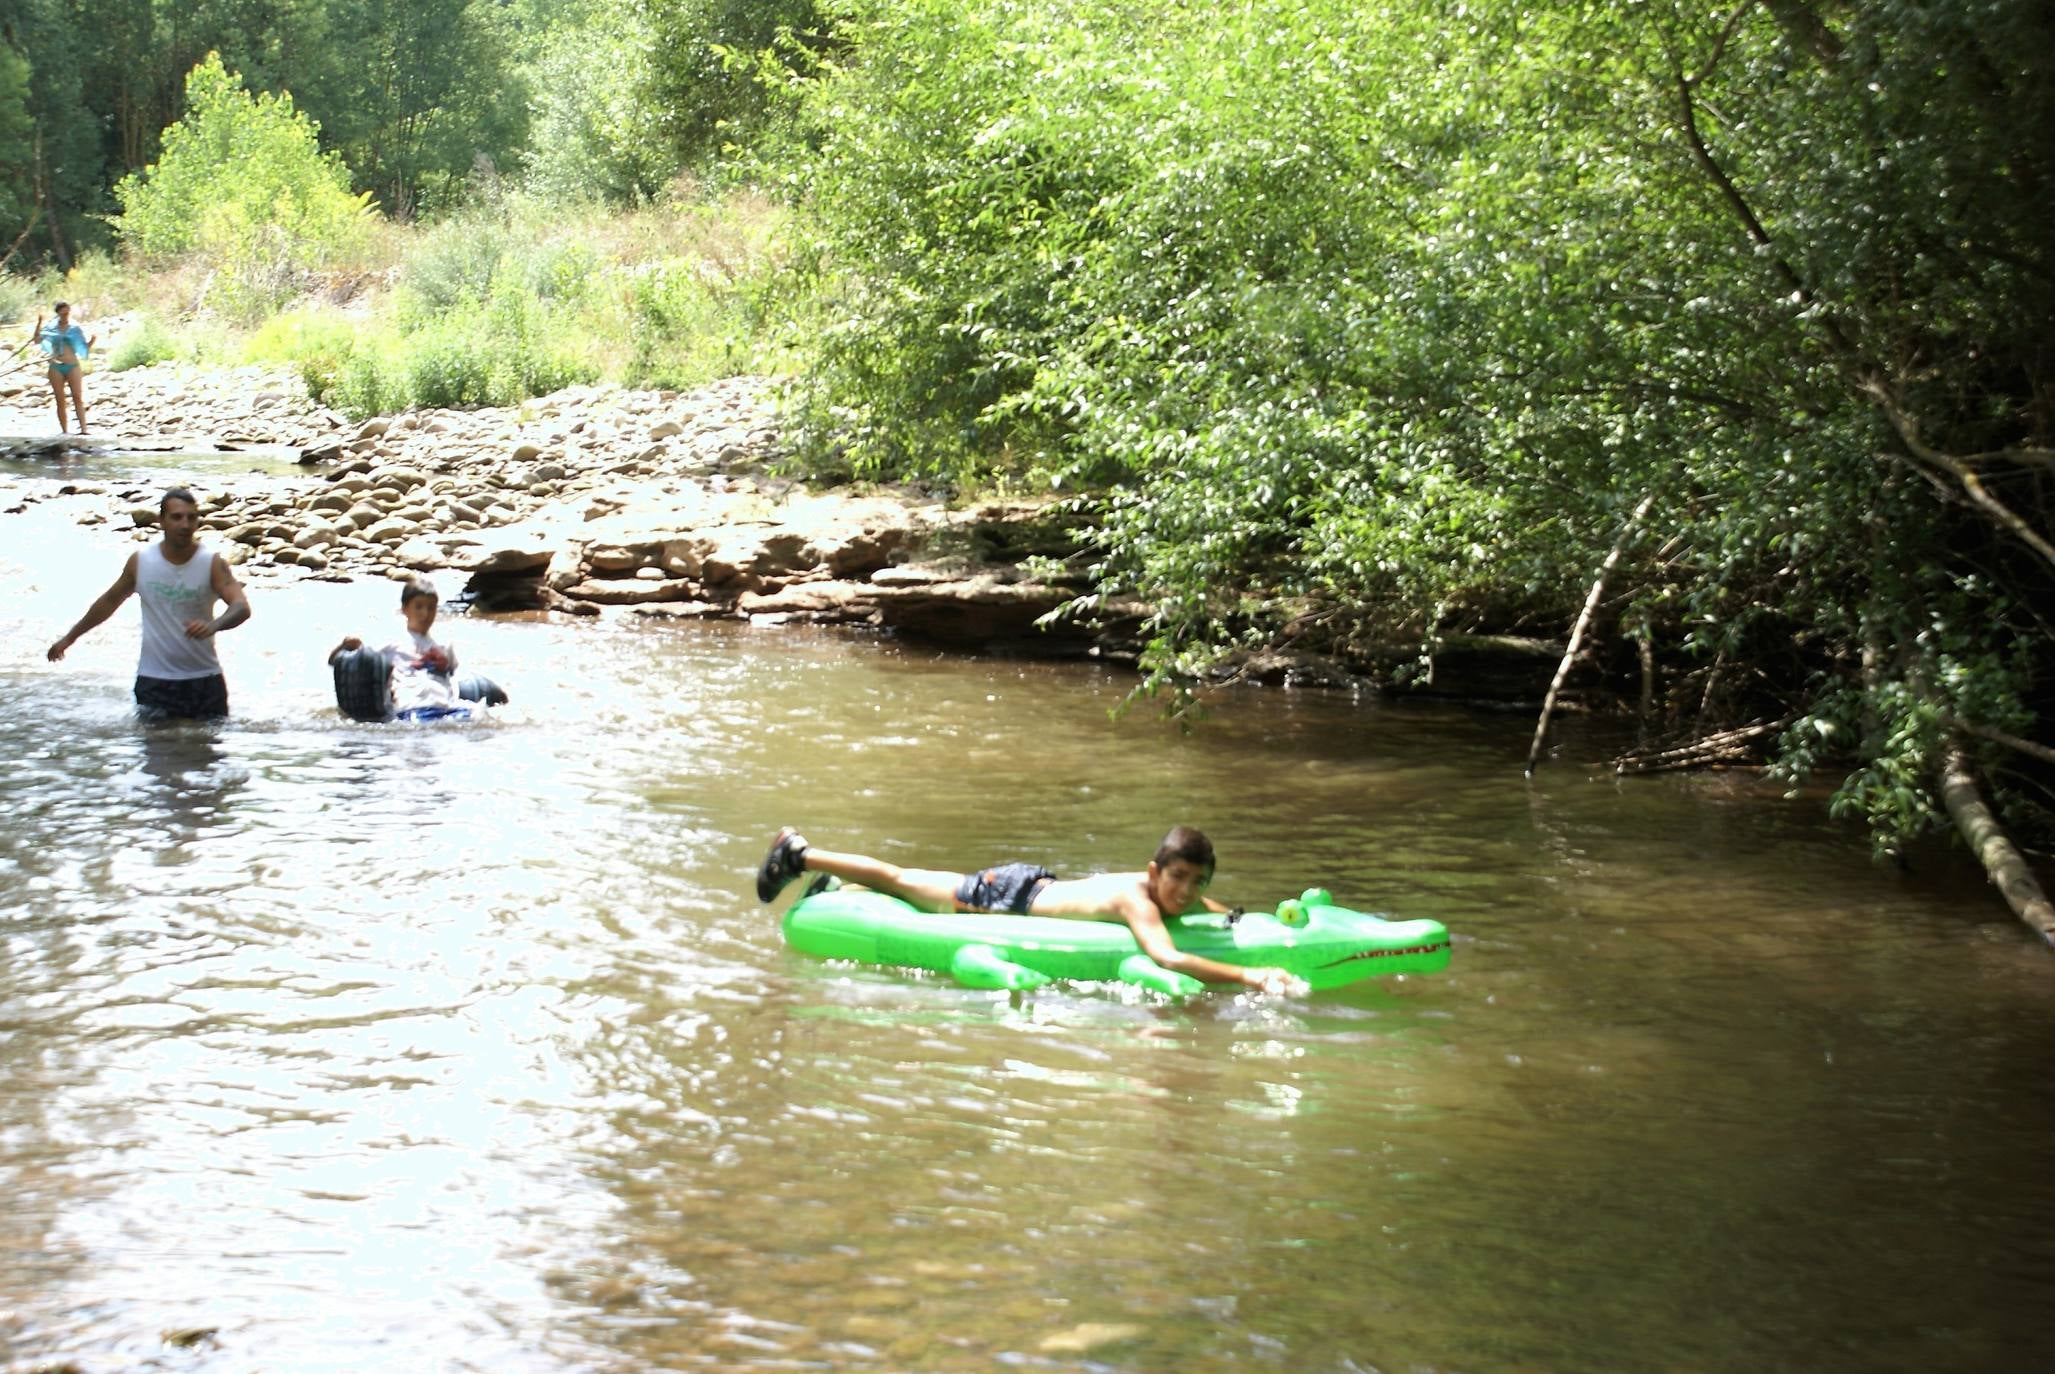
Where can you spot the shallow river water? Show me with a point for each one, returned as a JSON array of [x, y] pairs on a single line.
[[330, 1047]]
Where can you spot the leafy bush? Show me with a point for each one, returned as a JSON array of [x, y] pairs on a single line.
[[676, 318], [242, 183], [18, 298], [149, 342], [453, 265], [1338, 347]]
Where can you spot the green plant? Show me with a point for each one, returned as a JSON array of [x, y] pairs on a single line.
[[149, 342], [242, 183]]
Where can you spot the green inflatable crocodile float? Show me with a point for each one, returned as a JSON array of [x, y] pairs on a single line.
[[1311, 937]]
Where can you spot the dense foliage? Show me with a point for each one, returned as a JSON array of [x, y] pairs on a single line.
[[263, 231], [1345, 323], [1357, 320]]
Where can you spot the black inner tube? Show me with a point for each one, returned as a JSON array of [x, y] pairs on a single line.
[[363, 685]]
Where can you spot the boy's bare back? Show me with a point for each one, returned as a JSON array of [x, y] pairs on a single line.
[[1101, 897]]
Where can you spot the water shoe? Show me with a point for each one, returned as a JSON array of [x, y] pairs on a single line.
[[786, 861]]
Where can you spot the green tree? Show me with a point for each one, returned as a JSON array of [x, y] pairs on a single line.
[[710, 65], [243, 184], [17, 145], [66, 165], [428, 90], [595, 133], [1358, 321]]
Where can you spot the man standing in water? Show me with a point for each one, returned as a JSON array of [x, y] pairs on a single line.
[[179, 675]]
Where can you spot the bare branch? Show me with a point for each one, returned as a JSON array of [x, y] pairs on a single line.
[[1605, 569], [2014, 742], [1992, 846], [1727, 31], [1966, 476]]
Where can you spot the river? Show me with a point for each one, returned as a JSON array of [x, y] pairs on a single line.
[[331, 1047]]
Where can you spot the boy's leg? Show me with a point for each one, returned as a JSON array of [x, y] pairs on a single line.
[[927, 888], [790, 856]]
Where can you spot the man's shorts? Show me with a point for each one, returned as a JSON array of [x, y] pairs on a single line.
[[182, 698], [1009, 888]]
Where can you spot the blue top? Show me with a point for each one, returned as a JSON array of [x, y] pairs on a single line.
[[55, 336]]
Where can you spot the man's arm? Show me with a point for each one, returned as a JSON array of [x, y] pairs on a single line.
[[229, 590], [1149, 933], [104, 605]]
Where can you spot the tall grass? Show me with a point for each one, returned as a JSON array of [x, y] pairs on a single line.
[[508, 299]]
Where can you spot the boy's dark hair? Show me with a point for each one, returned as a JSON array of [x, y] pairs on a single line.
[[1187, 843], [59, 305], [417, 586], [175, 494]]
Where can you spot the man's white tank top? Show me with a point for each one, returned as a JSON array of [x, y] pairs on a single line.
[[173, 593]]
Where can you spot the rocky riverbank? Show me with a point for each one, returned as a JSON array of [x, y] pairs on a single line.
[[589, 501], [599, 500]]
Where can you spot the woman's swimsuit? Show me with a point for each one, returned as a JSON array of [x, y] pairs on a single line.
[[68, 339]]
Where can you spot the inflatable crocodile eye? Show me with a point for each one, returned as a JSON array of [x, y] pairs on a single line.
[[1291, 912], [1317, 896]]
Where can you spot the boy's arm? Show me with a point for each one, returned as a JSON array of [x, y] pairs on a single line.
[[1155, 941]]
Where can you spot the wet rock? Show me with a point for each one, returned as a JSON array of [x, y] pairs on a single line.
[[1086, 1337]]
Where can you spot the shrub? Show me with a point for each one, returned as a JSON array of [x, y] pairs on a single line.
[[149, 342], [452, 265], [242, 182]]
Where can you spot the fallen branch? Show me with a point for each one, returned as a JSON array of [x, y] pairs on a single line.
[[2013, 742], [35, 212], [1728, 746], [1993, 847], [1605, 569], [1966, 476]]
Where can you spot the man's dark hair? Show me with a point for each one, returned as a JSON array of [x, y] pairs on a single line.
[[175, 494], [417, 586], [1187, 843]]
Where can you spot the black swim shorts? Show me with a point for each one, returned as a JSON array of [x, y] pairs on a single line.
[[182, 698], [1009, 887]]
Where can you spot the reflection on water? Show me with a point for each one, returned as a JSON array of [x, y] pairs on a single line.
[[469, 1048]]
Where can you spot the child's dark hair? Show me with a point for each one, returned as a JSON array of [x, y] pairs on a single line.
[[417, 587], [1187, 843]]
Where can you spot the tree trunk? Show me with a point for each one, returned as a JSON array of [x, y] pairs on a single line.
[[1597, 594], [1992, 846]]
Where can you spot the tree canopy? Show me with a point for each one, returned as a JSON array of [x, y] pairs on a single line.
[[1341, 323], [1357, 320]]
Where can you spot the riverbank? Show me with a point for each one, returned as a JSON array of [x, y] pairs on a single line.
[[593, 500], [603, 500]]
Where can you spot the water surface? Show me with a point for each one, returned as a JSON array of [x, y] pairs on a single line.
[[370, 1047]]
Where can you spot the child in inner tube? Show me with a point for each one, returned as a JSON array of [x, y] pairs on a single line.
[[1174, 884], [423, 671]]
